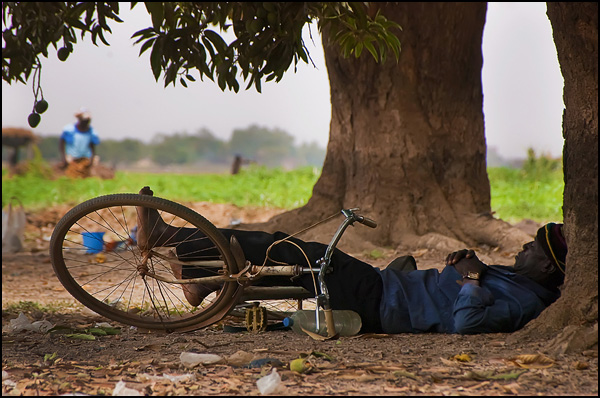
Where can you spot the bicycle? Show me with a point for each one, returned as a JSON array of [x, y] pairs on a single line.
[[96, 257]]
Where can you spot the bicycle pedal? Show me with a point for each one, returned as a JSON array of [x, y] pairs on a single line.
[[256, 318]]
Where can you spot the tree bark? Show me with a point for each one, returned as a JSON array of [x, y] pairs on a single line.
[[407, 142], [575, 314]]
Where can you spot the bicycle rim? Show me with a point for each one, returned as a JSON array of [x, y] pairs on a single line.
[[102, 270]]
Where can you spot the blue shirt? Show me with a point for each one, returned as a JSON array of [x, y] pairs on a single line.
[[431, 301], [77, 143]]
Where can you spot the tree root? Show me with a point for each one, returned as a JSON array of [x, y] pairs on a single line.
[[574, 339]]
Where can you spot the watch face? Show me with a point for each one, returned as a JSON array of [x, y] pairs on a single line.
[[473, 275]]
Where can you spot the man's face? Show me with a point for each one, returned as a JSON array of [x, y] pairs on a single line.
[[84, 123], [533, 263]]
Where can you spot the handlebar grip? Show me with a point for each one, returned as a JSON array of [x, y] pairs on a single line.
[[367, 221]]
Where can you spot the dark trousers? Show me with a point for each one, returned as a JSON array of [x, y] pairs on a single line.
[[352, 285]]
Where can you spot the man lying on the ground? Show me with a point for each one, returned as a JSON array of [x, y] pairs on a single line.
[[467, 296]]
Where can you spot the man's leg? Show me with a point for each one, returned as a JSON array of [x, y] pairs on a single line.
[[153, 231], [352, 285]]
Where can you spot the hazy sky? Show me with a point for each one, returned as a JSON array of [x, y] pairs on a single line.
[[522, 88]]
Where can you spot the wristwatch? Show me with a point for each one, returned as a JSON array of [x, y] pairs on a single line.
[[472, 275]]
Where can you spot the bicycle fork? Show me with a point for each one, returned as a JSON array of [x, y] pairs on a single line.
[[325, 262]]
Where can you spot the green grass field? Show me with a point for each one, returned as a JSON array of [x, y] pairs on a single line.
[[515, 194]]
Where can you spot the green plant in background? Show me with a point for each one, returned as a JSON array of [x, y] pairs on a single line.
[[535, 191], [37, 166], [541, 167], [254, 186], [33, 307]]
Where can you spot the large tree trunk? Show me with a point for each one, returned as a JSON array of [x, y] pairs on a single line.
[[407, 141], [575, 314]]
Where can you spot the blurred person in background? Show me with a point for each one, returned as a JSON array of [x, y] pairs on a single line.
[[77, 145]]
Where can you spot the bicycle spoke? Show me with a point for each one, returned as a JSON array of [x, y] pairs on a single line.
[[115, 278]]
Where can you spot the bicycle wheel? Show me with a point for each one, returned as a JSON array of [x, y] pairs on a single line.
[[96, 258]]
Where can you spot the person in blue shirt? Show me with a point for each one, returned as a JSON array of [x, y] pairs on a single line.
[[466, 297], [78, 141]]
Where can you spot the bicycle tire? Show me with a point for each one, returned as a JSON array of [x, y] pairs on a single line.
[[92, 276]]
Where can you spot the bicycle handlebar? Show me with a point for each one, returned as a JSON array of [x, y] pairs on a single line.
[[351, 217], [366, 221]]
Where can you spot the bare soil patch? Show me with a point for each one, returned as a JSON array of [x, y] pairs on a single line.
[[427, 364]]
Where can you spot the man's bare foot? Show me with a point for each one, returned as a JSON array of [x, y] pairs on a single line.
[[194, 294], [151, 227]]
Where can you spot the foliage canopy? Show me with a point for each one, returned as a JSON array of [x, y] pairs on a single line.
[[184, 37]]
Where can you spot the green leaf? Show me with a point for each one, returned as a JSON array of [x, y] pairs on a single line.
[[171, 74], [155, 9], [383, 53], [489, 375], [101, 35], [147, 44], [81, 336], [208, 45], [303, 54], [358, 49], [222, 82], [111, 331], [216, 40], [49, 357], [403, 373], [155, 60], [143, 33], [395, 44], [61, 329], [369, 46], [97, 331], [257, 84]]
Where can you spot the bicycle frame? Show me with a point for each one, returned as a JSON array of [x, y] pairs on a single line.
[[251, 272], [144, 285]]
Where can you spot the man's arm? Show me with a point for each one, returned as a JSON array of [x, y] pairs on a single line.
[[477, 311], [94, 140], [93, 148], [61, 150]]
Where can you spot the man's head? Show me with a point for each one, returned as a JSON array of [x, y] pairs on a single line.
[[83, 119], [543, 260], [553, 243]]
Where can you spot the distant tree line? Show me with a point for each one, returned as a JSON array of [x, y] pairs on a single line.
[[268, 147]]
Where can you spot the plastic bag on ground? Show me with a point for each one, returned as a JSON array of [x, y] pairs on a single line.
[[23, 323], [121, 390], [167, 377], [270, 383], [191, 359], [13, 227]]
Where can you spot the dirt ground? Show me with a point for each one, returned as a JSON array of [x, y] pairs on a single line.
[[149, 363]]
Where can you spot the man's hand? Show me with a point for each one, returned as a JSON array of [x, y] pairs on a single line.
[[455, 257], [466, 261]]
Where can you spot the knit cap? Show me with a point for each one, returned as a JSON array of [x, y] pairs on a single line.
[[553, 242]]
